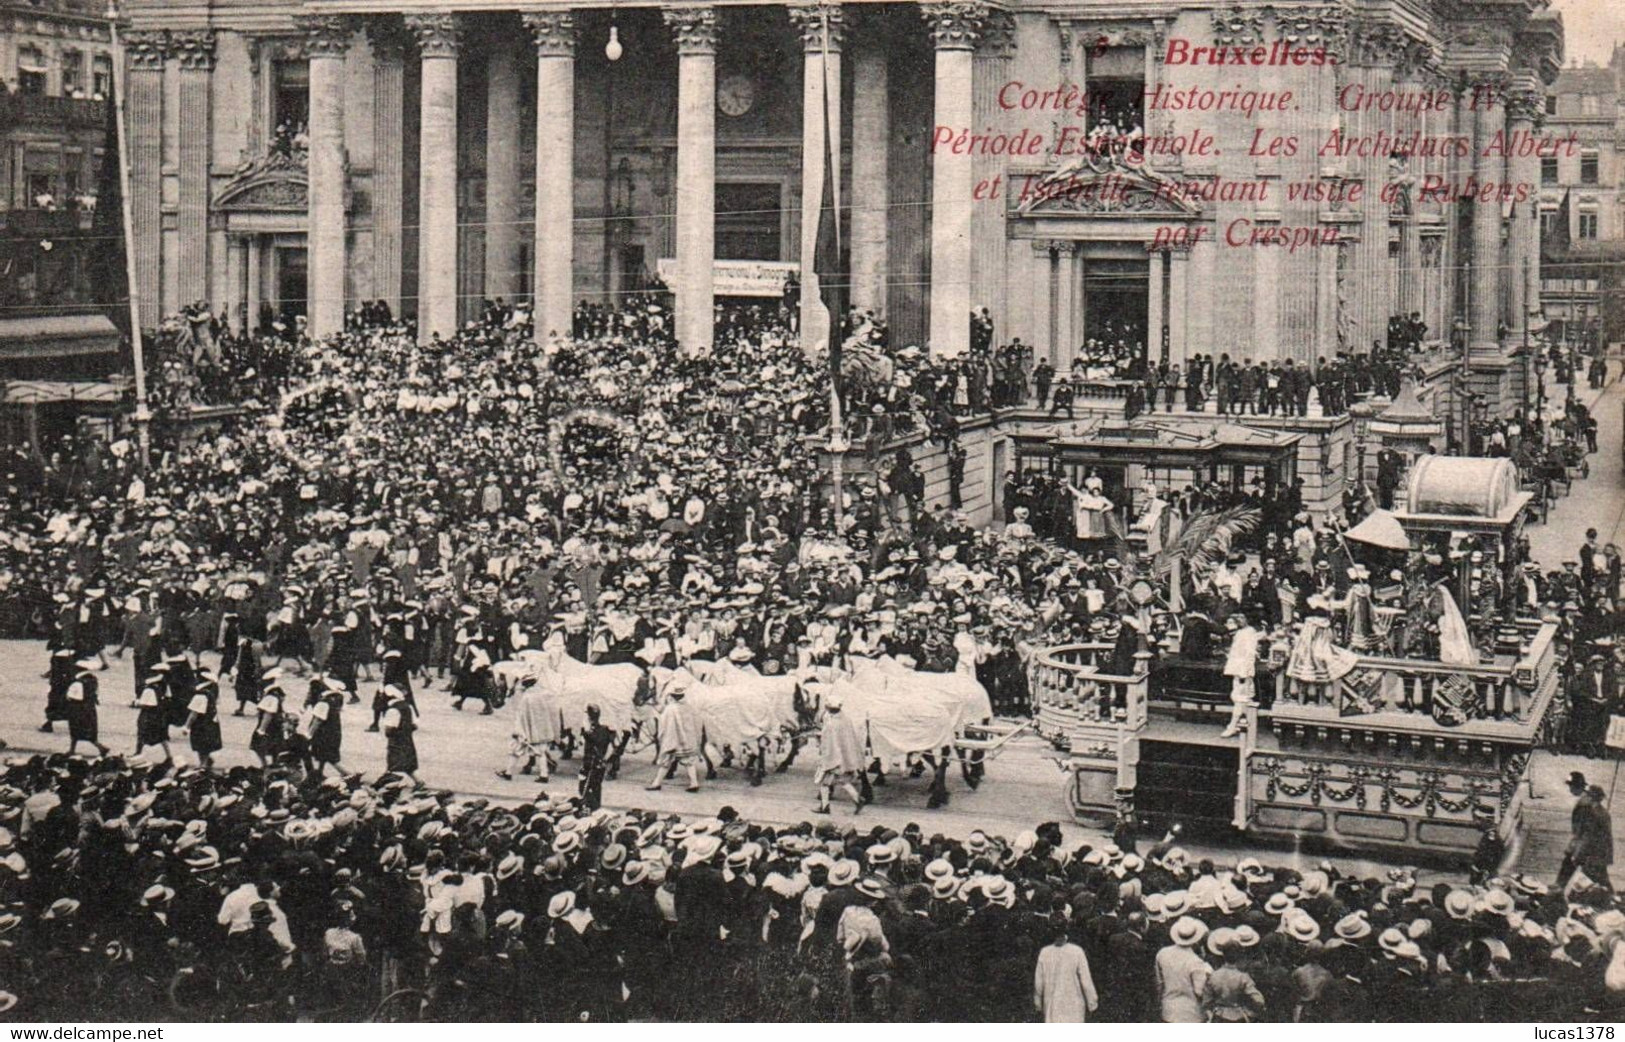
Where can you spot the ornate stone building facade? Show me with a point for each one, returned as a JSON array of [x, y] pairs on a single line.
[[432, 154]]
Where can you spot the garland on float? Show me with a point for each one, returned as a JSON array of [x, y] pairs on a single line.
[[1318, 786]]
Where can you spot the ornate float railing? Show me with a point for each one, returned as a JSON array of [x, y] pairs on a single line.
[[1070, 691], [1512, 690]]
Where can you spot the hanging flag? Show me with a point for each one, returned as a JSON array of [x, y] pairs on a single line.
[[107, 226], [827, 253]]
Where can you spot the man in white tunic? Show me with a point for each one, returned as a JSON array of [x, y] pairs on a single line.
[[1240, 666]]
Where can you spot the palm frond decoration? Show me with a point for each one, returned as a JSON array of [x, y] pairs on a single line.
[[1206, 538]]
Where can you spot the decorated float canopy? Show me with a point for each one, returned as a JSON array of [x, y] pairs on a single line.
[[1464, 486], [1453, 495]]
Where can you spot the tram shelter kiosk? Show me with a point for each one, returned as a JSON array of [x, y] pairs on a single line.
[[1173, 454]]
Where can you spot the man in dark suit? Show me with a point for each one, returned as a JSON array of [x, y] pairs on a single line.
[[1591, 846]]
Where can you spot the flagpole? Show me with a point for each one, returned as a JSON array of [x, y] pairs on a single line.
[[138, 358], [837, 426]]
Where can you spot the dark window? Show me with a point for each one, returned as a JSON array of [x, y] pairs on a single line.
[[1548, 170], [1588, 226], [290, 98], [31, 71], [40, 190], [101, 77], [1551, 104], [1548, 221], [748, 221], [73, 73], [1588, 168]]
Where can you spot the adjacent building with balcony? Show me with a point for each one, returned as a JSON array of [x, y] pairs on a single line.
[[1582, 216], [56, 88]]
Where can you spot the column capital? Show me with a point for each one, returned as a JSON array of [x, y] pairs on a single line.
[[956, 25], [553, 33], [387, 37], [147, 48], [327, 36], [1526, 104], [998, 35], [809, 19], [694, 28], [194, 48], [439, 35]]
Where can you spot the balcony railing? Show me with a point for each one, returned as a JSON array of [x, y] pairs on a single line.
[[35, 110]]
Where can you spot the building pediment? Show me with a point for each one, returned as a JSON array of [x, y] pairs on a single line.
[[274, 183]]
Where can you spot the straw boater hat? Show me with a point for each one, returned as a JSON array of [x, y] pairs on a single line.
[[1187, 932], [1300, 926]]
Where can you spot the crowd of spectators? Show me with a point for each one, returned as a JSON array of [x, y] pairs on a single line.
[[153, 895]]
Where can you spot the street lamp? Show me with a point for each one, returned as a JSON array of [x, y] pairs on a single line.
[[1462, 330]]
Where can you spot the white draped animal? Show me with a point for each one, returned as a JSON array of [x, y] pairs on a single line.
[[907, 711], [571, 685], [737, 707]]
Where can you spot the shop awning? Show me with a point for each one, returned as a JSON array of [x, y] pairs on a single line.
[[50, 336]]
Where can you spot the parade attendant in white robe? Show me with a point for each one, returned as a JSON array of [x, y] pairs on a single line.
[[1240, 666], [535, 724], [679, 734], [1063, 990], [840, 757]]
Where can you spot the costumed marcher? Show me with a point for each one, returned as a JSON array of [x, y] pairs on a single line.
[[401, 751], [1241, 666], [203, 720], [151, 723], [840, 757], [81, 707], [679, 734]]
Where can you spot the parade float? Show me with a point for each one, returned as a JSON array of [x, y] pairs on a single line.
[[1399, 752]]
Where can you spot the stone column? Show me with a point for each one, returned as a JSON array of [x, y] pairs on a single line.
[[327, 43], [955, 28], [1156, 307], [236, 277], [989, 260], [194, 54], [695, 29], [439, 37], [1066, 302], [253, 256], [870, 192], [1489, 107], [1525, 108], [503, 236], [388, 86], [146, 52], [554, 34], [821, 26], [1179, 266]]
